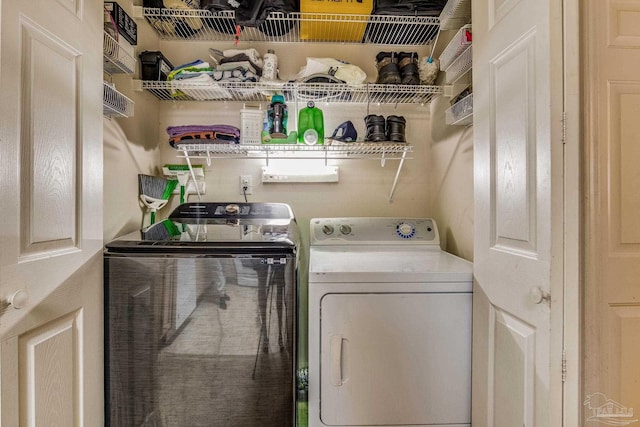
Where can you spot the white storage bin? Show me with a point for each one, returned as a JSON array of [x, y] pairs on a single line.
[[118, 55], [115, 104], [456, 46], [251, 120], [459, 66], [460, 113]]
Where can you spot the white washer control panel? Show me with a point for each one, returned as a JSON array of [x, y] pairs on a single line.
[[374, 230]]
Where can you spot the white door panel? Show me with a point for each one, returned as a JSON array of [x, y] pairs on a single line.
[[612, 237], [48, 194], [517, 83], [48, 375], [512, 352], [51, 191]]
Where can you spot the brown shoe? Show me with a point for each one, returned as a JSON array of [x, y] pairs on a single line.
[[408, 64], [387, 65]]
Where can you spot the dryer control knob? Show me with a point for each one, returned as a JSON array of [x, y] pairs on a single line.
[[405, 230], [345, 229], [327, 229]]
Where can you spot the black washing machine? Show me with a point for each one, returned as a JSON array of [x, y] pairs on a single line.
[[200, 319]]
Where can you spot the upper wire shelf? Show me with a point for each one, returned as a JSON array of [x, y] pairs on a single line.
[[317, 92], [172, 24]]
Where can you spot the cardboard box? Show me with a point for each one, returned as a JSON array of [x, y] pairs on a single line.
[[340, 27], [127, 27]]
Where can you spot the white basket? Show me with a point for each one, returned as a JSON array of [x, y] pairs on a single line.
[[115, 104], [459, 66], [251, 126], [461, 113], [456, 46]]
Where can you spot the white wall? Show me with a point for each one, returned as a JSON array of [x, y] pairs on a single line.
[[364, 185], [436, 182], [451, 179], [130, 146], [139, 144]]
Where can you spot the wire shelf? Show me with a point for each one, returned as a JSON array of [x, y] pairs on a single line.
[[262, 91], [116, 59], [381, 151], [455, 14], [114, 103], [357, 150], [171, 24]]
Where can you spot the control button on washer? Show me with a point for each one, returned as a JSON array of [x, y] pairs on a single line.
[[327, 229], [345, 229]]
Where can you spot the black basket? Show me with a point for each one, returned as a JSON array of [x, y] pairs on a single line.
[[223, 20], [404, 32], [154, 66], [127, 27]]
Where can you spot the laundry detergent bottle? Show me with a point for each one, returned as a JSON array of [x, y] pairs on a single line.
[[311, 125]]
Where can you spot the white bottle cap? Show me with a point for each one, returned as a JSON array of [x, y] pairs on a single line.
[[310, 137]]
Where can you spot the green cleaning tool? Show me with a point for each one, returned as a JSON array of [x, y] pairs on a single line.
[[155, 192], [183, 173]]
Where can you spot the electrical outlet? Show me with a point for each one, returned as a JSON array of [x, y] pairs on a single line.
[[246, 181]]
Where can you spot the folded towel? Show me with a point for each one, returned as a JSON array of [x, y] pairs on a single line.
[[201, 87], [204, 138], [235, 55], [185, 75], [174, 131], [246, 65], [191, 68]]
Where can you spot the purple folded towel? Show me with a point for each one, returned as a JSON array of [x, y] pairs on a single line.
[[175, 131]]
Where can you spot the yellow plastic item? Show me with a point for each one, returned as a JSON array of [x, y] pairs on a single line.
[[337, 28]]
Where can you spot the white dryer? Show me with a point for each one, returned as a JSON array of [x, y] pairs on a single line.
[[389, 325]]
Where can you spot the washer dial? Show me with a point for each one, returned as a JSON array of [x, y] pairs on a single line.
[[327, 229], [345, 229], [405, 230]]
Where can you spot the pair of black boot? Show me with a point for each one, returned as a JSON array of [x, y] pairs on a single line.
[[378, 129], [398, 68]]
